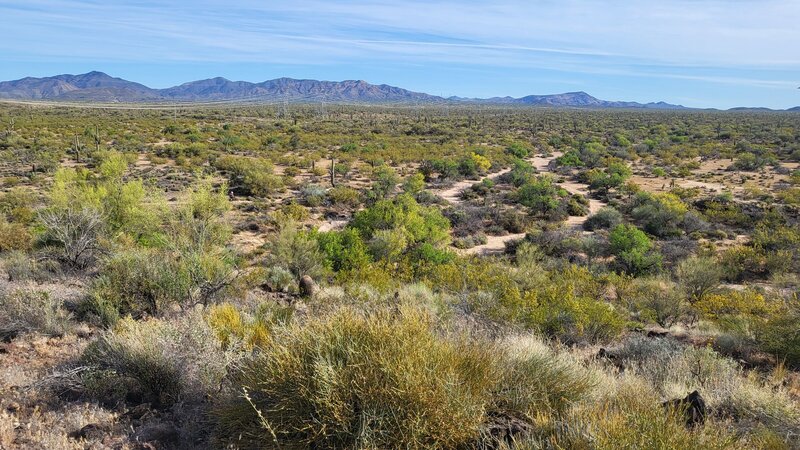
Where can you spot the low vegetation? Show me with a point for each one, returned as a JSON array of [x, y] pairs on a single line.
[[258, 277]]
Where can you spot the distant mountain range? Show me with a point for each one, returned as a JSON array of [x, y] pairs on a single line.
[[100, 87]]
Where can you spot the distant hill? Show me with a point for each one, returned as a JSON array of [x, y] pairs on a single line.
[[94, 86], [796, 108], [99, 87], [751, 108], [568, 100], [294, 90]]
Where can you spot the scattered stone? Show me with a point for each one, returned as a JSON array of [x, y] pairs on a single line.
[[657, 333], [612, 358], [693, 408], [138, 411], [174, 308], [308, 287], [12, 407], [161, 433], [8, 336], [83, 331], [144, 446], [91, 432], [504, 430]]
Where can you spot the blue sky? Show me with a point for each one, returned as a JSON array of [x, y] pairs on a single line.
[[703, 53]]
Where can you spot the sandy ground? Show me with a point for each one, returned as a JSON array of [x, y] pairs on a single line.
[[496, 244]]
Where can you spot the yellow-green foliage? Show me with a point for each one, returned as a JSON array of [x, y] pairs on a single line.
[[294, 211], [250, 175], [126, 207], [387, 380], [566, 303], [17, 205], [481, 162], [14, 236], [635, 419], [231, 327], [733, 304]]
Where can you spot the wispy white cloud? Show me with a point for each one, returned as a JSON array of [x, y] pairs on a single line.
[[727, 42]]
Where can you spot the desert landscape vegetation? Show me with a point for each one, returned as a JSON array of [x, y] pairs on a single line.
[[439, 275]]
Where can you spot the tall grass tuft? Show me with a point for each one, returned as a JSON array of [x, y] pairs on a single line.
[[386, 380]]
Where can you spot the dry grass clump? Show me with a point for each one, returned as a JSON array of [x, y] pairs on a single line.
[[633, 418], [157, 361], [388, 380], [754, 402], [32, 310], [50, 428]]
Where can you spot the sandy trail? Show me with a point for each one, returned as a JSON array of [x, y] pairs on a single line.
[[451, 194], [496, 244], [331, 225]]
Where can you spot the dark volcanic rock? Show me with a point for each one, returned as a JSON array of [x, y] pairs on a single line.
[[693, 408]]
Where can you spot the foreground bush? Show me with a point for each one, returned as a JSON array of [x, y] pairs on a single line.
[[156, 361], [386, 381], [29, 310]]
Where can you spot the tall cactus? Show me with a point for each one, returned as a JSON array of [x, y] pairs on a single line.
[[333, 172]]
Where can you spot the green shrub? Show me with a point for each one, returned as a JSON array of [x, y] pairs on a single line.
[[699, 276], [421, 223], [543, 196], [606, 218], [518, 150], [250, 176], [521, 172], [634, 250], [344, 196], [140, 281], [779, 334], [21, 266], [385, 183], [611, 177], [280, 279], [295, 251], [654, 299], [312, 195], [414, 184], [344, 250], [659, 214], [574, 318], [17, 205], [293, 211]]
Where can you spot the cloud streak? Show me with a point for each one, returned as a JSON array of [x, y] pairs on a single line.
[[735, 42]]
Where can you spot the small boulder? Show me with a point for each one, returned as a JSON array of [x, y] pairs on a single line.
[[657, 333], [308, 287], [693, 408], [91, 432], [162, 433]]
